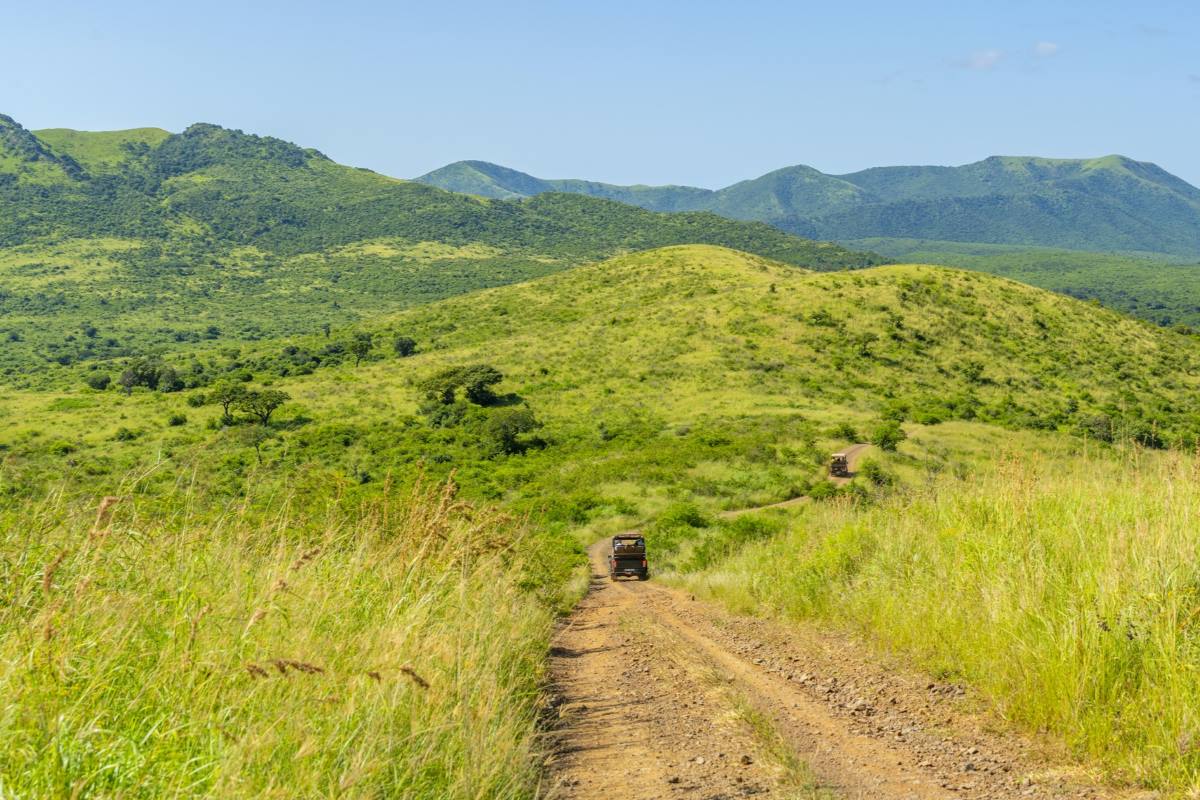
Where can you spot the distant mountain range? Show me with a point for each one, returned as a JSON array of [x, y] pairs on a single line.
[[1112, 203], [212, 187]]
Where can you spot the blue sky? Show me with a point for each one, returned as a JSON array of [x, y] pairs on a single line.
[[657, 92]]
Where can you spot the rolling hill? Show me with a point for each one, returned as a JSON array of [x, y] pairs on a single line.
[[1162, 290], [302, 581], [1110, 203], [149, 240], [682, 336]]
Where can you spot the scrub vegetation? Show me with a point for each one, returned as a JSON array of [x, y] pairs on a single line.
[[1064, 589], [279, 521]]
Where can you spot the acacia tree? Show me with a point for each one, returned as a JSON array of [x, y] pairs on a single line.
[[475, 380], [261, 405], [360, 346], [255, 436], [227, 394]]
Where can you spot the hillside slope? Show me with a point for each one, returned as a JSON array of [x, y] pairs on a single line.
[[667, 384], [1162, 290], [692, 349], [1109, 203], [683, 334], [148, 240], [645, 331]]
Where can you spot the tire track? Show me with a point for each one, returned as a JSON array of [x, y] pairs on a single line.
[[651, 691]]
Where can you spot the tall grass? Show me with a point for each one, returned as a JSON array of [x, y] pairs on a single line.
[[377, 648], [1070, 597]]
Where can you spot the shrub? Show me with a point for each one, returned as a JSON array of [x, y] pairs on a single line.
[[844, 430], [822, 490], [99, 381], [124, 434], [888, 435], [404, 346], [875, 472]]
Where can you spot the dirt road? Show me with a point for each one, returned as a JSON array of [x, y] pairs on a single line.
[[658, 695]]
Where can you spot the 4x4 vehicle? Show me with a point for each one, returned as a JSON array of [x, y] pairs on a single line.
[[839, 465], [627, 558]]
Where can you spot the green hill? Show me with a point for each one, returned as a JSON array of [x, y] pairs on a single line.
[[1158, 289], [25, 160], [1110, 203], [699, 335], [152, 240], [291, 555], [101, 152]]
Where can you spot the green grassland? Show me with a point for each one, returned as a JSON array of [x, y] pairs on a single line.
[[1064, 589], [101, 152], [664, 385], [1163, 290], [140, 242], [679, 337]]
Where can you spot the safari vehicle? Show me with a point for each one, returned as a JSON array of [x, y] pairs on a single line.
[[627, 558], [839, 465]]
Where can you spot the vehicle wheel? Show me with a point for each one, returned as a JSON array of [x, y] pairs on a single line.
[[645, 576]]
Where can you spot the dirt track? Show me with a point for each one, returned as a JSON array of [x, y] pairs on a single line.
[[658, 695]]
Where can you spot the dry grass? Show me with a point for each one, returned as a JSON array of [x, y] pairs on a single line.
[[1066, 591], [374, 648]]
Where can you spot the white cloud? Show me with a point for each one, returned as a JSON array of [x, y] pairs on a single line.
[[1046, 49], [983, 59]]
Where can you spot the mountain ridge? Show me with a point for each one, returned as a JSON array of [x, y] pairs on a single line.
[[1111, 202]]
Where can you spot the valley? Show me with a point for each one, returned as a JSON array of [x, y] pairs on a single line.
[[303, 470]]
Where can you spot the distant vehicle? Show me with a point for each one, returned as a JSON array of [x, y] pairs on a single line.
[[839, 465], [627, 558]]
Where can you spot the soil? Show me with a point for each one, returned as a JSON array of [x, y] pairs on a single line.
[[659, 695]]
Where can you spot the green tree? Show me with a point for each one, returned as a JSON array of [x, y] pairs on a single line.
[[504, 427], [475, 380], [255, 436], [228, 395], [404, 346], [360, 346], [888, 435], [141, 372], [261, 405], [99, 380], [169, 380]]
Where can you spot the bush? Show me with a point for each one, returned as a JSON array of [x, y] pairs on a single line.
[[822, 490], [404, 346], [175, 420], [99, 381], [844, 430], [124, 434], [888, 435], [875, 472]]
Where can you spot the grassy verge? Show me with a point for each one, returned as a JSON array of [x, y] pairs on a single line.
[[1067, 593], [389, 647]]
